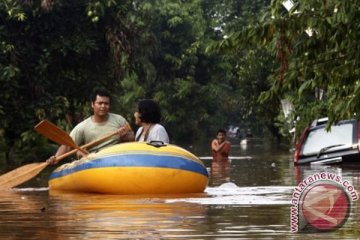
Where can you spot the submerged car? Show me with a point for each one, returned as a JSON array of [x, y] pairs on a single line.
[[319, 146]]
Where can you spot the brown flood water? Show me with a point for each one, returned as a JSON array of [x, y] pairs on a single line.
[[250, 198]]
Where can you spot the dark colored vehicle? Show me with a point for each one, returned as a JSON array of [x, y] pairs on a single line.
[[339, 144]]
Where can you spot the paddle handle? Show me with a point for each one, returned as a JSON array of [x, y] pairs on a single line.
[[58, 158]]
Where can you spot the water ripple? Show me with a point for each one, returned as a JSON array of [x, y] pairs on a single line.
[[231, 194]]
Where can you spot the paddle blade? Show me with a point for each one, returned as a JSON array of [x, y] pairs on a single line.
[[54, 133], [20, 175], [27, 172]]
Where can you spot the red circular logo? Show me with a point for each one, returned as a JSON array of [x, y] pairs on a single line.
[[325, 206]]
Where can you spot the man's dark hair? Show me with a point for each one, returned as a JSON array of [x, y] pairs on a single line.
[[149, 111], [101, 92], [221, 131]]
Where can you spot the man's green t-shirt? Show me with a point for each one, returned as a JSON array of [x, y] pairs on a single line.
[[88, 131]]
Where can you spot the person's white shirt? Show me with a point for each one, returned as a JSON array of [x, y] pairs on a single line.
[[156, 133]]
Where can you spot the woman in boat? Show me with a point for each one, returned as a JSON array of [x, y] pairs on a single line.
[[148, 116]]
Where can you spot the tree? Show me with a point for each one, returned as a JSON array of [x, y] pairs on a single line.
[[54, 54], [169, 65], [57, 52], [317, 47], [250, 64]]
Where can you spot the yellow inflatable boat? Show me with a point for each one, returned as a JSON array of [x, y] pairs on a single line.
[[133, 168]]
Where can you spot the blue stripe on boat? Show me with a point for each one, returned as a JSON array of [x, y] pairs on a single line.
[[135, 160]]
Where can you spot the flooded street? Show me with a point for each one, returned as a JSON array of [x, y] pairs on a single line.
[[248, 198]]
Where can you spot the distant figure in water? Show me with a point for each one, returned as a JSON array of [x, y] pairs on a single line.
[[244, 137], [220, 146], [243, 141]]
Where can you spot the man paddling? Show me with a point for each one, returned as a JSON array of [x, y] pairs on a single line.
[[102, 122]]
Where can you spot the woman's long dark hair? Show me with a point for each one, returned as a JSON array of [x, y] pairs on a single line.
[[149, 111]]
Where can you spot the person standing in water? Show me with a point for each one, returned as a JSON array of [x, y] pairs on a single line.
[[220, 147]]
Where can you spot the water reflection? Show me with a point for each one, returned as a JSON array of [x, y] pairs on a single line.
[[141, 217], [220, 172], [23, 214]]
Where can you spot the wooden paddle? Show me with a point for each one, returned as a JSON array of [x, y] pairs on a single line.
[[27, 172], [56, 134], [59, 136]]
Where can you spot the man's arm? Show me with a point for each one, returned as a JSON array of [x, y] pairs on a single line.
[[126, 133], [215, 146], [226, 147], [128, 137], [61, 150]]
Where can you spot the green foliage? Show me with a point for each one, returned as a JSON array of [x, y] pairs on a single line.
[[55, 52], [315, 44], [167, 51], [209, 64], [247, 64], [324, 60], [50, 62]]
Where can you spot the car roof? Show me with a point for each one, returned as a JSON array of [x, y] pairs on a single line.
[[323, 121], [320, 121]]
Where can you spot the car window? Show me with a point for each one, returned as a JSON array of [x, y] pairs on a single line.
[[320, 138]]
